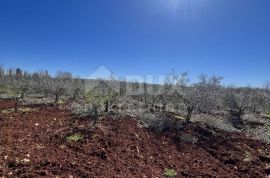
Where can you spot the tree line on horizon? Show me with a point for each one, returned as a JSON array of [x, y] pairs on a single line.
[[205, 96]]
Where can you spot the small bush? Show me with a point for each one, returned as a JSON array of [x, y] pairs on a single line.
[[170, 173], [61, 101], [268, 114], [100, 100], [163, 124], [75, 138], [248, 157], [187, 139], [268, 126], [6, 90]]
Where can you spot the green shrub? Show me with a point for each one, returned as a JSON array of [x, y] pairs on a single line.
[[7, 111], [24, 110], [100, 100], [170, 173], [7, 90], [2, 89], [268, 114], [268, 126], [27, 109], [248, 157], [75, 137], [61, 101]]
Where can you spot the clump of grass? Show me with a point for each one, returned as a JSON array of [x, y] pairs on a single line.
[[170, 173], [268, 114], [61, 101], [177, 117], [8, 111], [264, 152], [26, 109], [268, 126], [75, 137], [248, 157]]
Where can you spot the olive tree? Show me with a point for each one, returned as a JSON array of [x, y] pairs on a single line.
[[201, 96], [76, 88], [2, 79], [16, 88], [58, 88], [41, 83], [101, 96], [2, 71], [209, 89], [153, 92], [61, 85], [190, 97], [237, 100], [257, 100], [186, 94], [266, 89], [168, 89]]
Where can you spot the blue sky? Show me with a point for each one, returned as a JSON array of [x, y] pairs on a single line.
[[230, 38]]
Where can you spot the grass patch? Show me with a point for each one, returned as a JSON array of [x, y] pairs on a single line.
[[8, 111], [26, 109], [170, 173], [177, 117], [264, 152], [268, 126], [75, 137], [61, 101], [268, 115], [248, 157]]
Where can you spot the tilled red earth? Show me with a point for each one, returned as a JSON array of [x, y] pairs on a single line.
[[6, 104], [34, 144]]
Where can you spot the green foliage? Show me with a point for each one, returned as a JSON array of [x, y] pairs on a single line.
[[2, 89], [98, 99], [75, 137], [24, 110], [61, 101], [264, 152], [268, 126], [8, 90], [170, 173], [248, 157], [7, 111], [268, 114]]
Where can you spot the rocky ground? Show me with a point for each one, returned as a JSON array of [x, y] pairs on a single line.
[[254, 126], [42, 141]]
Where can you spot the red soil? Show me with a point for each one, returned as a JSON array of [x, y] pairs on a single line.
[[6, 104], [34, 144]]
